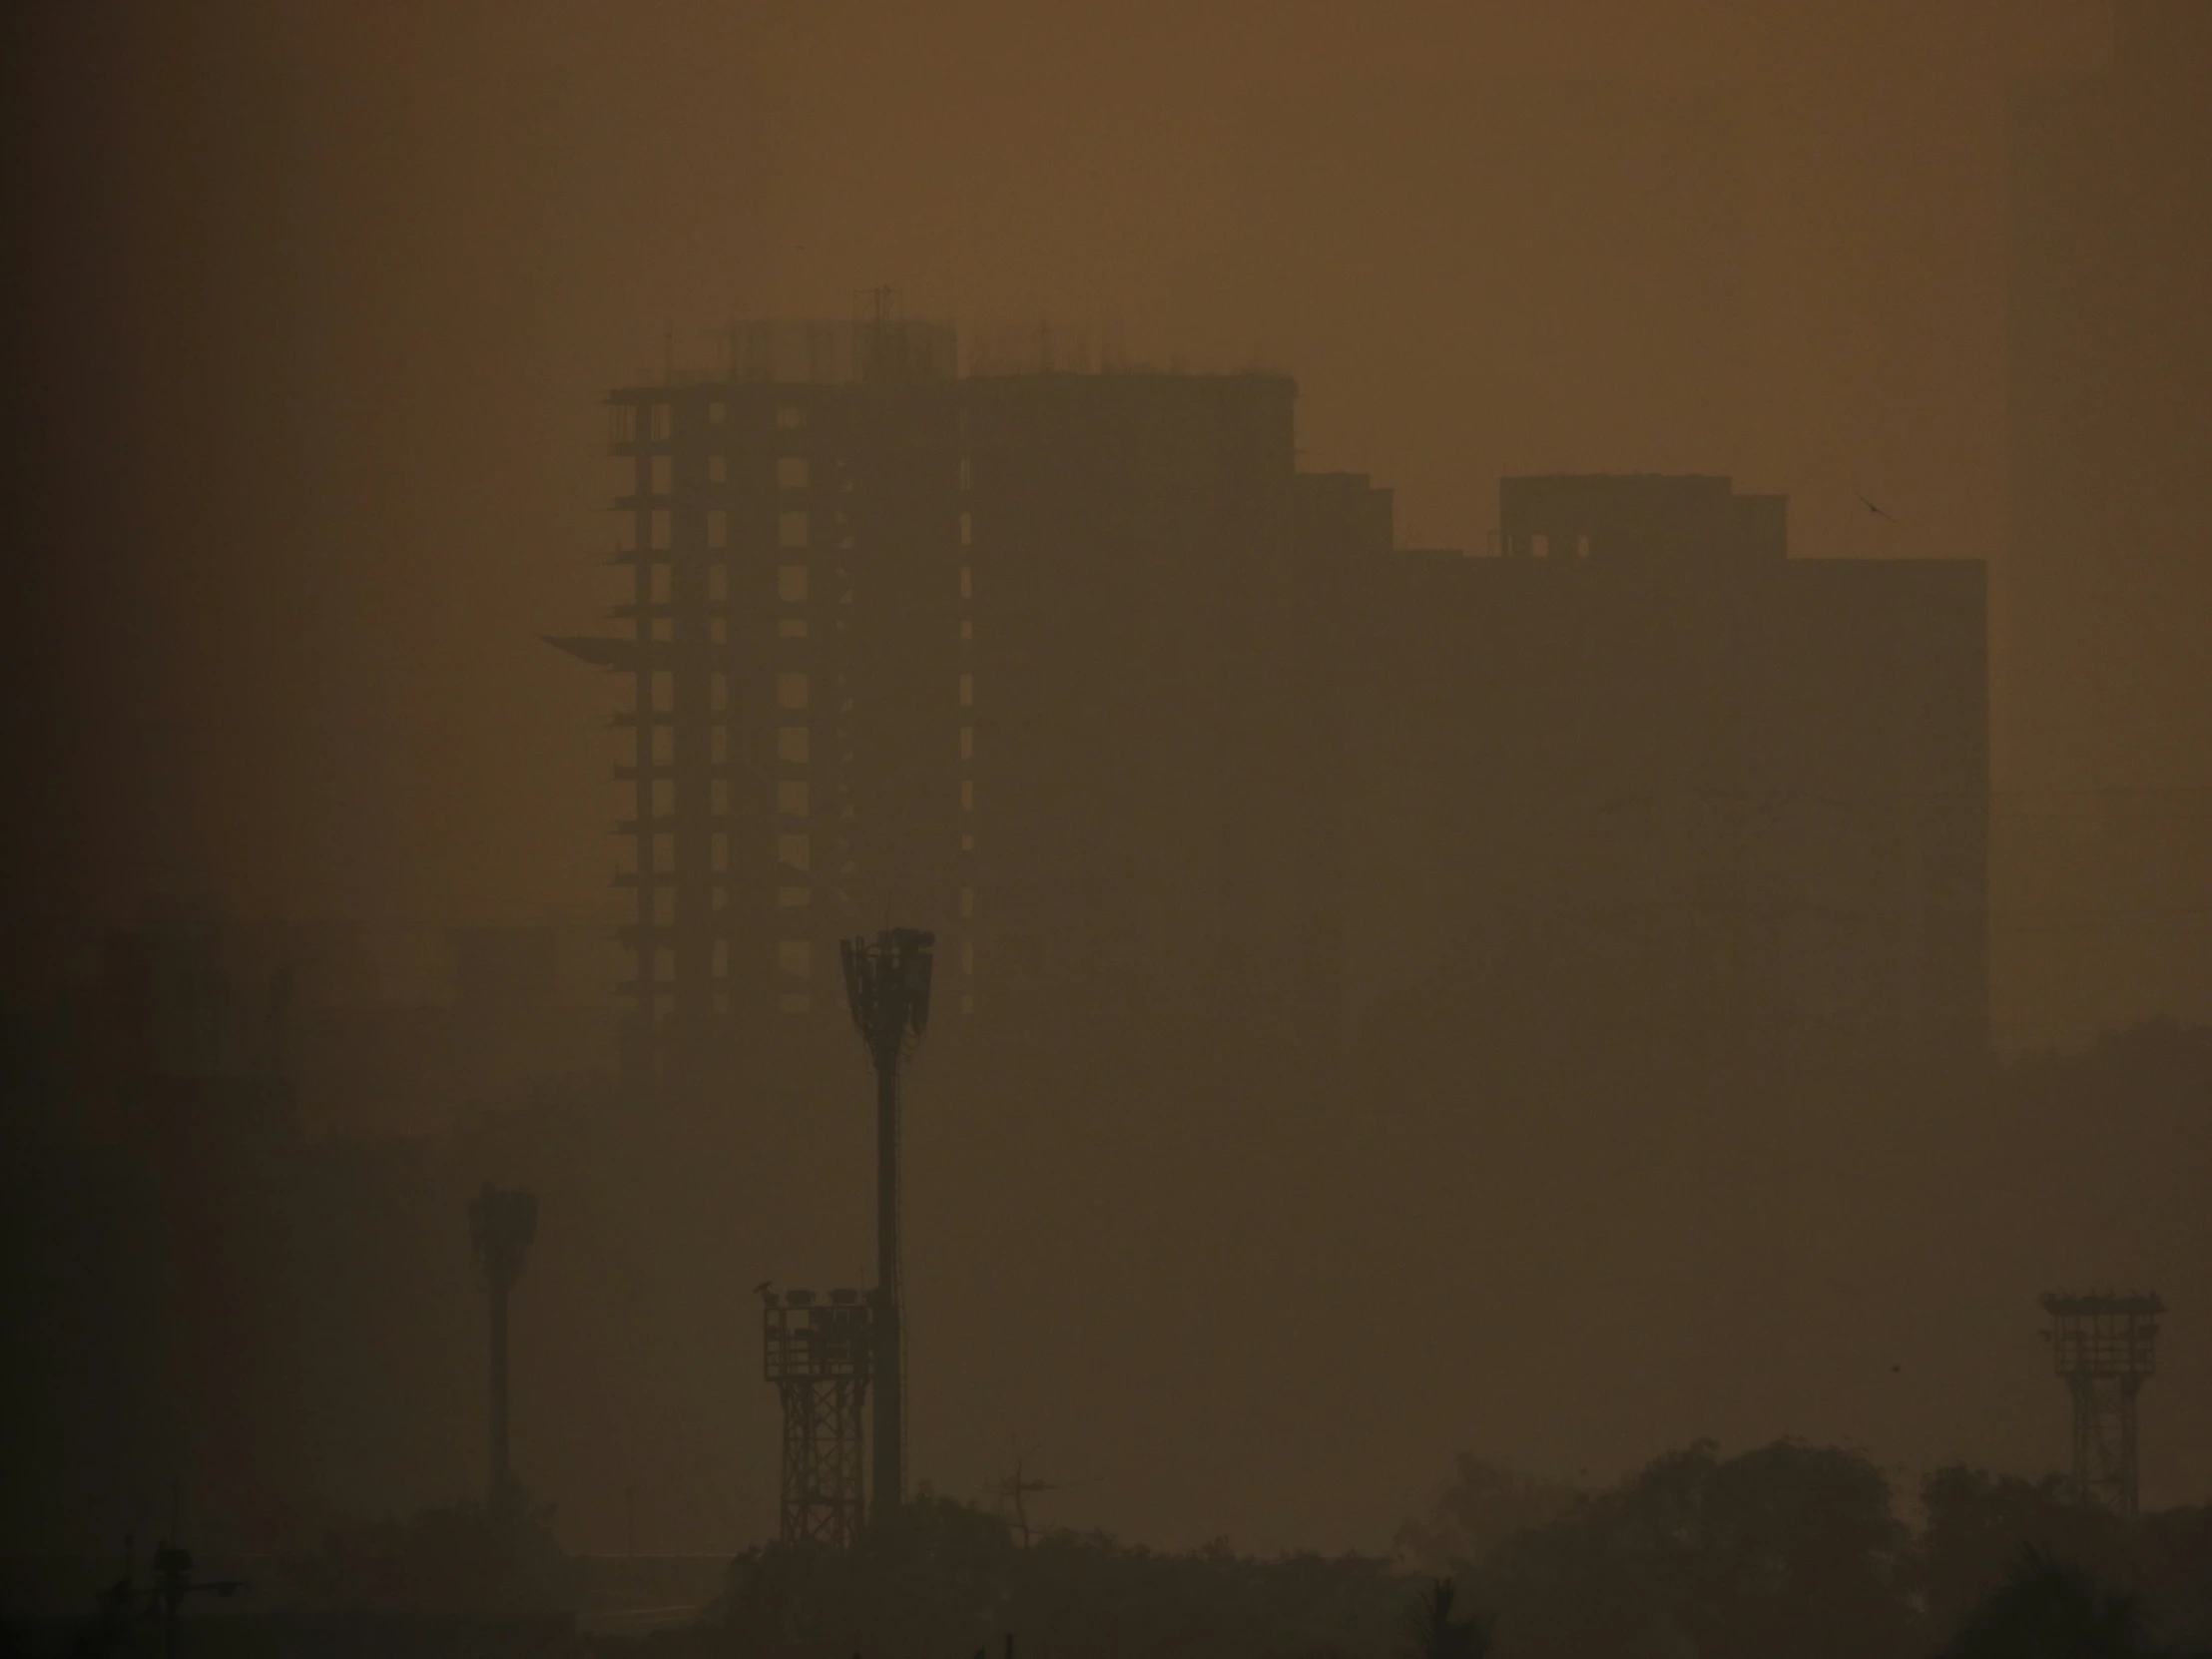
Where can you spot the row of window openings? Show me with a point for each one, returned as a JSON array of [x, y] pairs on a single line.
[[802, 1002], [793, 799], [661, 419], [793, 691], [786, 627], [794, 850], [662, 748], [660, 588], [659, 472], [795, 959], [718, 628], [786, 898], [792, 746], [791, 584], [794, 529], [791, 587], [789, 417], [793, 472], [1540, 547]]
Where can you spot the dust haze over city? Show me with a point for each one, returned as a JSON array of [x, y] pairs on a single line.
[[1533, 676]]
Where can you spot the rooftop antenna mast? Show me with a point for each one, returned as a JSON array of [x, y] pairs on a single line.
[[886, 986]]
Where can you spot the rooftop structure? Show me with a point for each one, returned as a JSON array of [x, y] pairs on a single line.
[[1641, 516]]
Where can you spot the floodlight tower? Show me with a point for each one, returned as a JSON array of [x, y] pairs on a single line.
[[2105, 1346], [817, 1355], [886, 984], [502, 1220]]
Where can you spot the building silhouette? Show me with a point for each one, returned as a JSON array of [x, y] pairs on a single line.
[[1236, 822], [1166, 737], [1644, 792], [2102, 726], [1031, 656], [2109, 408]]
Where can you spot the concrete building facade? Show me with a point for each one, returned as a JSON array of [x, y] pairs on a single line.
[[1193, 773], [1652, 796], [1033, 659]]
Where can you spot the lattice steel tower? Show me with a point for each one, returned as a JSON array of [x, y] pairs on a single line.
[[2105, 1346], [818, 1355]]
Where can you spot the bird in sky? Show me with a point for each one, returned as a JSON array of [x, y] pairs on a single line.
[[1871, 508]]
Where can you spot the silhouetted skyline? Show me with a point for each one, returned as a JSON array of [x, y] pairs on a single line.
[[1526, 664]]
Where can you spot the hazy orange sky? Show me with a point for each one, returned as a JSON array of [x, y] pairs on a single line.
[[322, 298]]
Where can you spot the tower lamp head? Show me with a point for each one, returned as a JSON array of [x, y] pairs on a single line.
[[503, 1223], [886, 986]]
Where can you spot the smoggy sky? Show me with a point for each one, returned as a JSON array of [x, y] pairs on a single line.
[[323, 296]]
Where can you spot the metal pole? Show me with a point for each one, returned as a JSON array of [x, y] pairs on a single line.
[[889, 1437], [499, 1466], [887, 988], [2130, 1493]]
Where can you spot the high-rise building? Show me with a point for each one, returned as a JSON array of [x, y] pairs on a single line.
[[1161, 739], [2102, 721], [1031, 659], [794, 529], [1659, 801], [2109, 410]]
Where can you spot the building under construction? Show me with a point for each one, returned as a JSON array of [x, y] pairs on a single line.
[[1164, 738], [882, 649]]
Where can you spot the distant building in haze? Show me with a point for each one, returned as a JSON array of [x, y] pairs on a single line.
[[1025, 657], [1644, 803], [2109, 410], [1167, 742], [2103, 725]]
